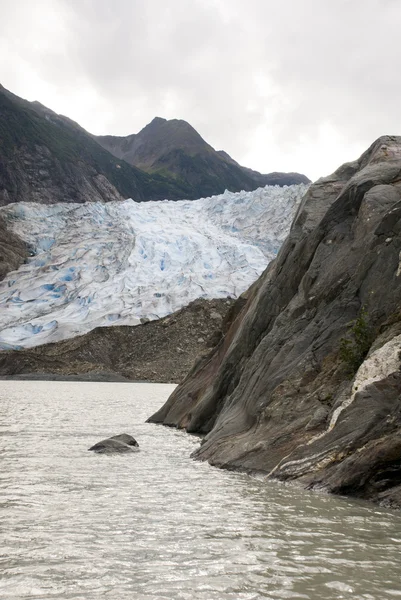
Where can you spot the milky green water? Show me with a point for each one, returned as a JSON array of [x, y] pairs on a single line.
[[156, 524]]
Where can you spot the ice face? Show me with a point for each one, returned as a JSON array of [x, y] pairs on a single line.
[[122, 262]]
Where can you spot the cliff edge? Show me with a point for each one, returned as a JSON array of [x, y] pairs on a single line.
[[306, 383]]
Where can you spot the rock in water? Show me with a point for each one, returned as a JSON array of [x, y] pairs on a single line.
[[125, 438], [116, 444], [277, 394]]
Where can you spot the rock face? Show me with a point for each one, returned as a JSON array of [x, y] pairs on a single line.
[[160, 351], [13, 251], [277, 394], [175, 148]]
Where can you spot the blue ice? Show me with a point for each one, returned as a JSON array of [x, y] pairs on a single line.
[[67, 277], [113, 317], [50, 325], [5, 346], [32, 329], [46, 243]]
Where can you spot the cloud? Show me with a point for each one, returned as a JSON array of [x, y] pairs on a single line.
[[280, 86]]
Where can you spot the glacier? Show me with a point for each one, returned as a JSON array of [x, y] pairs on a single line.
[[123, 263]]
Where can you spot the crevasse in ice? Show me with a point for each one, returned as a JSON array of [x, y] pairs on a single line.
[[123, 262]]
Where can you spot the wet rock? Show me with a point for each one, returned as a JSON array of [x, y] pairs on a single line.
[[116, 444]]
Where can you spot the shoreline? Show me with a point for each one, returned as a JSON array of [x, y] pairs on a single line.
[[84, 377]]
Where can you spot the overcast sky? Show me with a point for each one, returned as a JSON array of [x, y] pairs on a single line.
[[281, 85]]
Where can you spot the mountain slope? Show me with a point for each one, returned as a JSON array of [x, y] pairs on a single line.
[[48, 158], [279, 394], [157, 139], [175, 148]]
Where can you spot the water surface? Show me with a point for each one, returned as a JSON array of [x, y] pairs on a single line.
[[156, 524]]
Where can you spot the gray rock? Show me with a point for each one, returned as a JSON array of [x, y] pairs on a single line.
[[116, 444], [215, 315], [259, 396], [125, 438], [13, 251], [318, 418]]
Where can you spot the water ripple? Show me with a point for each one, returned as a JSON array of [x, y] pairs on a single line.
[[157, 525]]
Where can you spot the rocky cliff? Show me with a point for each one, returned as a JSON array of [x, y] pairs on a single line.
[[306, 383]]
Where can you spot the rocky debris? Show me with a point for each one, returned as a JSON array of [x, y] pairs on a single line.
[[159, 351], [92, 376], [117, 444], [13, 251], [276, 394]]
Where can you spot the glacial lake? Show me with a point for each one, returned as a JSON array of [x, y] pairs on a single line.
[[157, 525]]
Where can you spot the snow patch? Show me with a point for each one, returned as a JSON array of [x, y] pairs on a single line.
[[379, 365]]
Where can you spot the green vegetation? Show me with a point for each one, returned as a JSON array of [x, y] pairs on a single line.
[[206, 173], [354, 347]]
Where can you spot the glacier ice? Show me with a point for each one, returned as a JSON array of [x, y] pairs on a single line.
[[121, 263]]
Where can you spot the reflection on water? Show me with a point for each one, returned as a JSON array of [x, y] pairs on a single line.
[[157, 525]]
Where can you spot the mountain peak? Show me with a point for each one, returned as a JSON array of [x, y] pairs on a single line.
[[174, 147], [158, 145], [158, 121], [178, 128]]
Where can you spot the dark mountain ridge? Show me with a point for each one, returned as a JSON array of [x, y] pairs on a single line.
[[176, 149], [48, 158]]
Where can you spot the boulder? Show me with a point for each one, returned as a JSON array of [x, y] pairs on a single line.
[[116, 444]]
